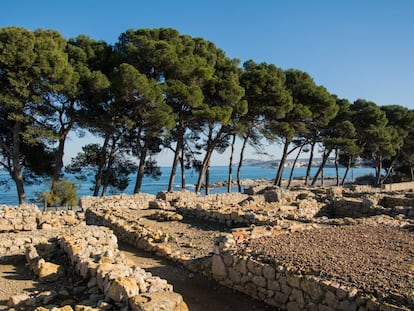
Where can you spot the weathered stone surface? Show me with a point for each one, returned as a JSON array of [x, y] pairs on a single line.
[[161, 301], [48, 271], [218, 268], [18, 300], [122, 288]]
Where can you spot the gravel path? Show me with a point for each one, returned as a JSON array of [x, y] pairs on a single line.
[[379, 259]]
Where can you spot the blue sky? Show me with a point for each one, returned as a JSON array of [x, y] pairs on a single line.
[[356, 49]]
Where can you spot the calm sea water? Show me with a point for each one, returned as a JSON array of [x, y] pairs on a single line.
[[8, 194]]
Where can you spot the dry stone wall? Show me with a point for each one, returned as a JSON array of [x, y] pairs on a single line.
[[94, 253], [29, 217], [280, 285], [369, 206], [242, 209], [137, 201]]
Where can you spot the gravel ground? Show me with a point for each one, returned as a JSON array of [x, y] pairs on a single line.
[[379, 259]]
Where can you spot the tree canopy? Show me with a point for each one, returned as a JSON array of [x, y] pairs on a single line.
[[157, 89]]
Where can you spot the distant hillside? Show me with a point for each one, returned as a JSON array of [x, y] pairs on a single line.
[[260, 163]]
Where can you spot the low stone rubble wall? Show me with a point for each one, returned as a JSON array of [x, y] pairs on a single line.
[[368, 206], [129, 230], [279, 284], [94, 253], [136, 201], [18, 218], [112, 281], [29, 217], [243, 209]]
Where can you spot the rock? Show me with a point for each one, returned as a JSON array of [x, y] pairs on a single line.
[[48, 271], [18, 300], [218, 268], [122, 288], [161, 301]]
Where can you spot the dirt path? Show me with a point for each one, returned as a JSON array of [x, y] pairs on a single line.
[[198, 292], [14, 278]]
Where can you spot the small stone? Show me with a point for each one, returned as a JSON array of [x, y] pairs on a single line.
[[158, 301], [18, 300]]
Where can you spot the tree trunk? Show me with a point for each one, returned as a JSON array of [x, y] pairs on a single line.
[[278, 178], [294, 165], [391, 167], [336, 167], [182, 166], [412, 172], [230, 177], [207, 181], [57, 172], [211, 145], [308, 169], [178, 150], [17, 173], [321, 167], [101, 167], [378, 171], [245, 139], [108, 170], [141, 167], [204, 167], [348, 167]]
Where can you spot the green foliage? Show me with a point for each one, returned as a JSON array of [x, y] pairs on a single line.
[[157, 88], [64, 195]]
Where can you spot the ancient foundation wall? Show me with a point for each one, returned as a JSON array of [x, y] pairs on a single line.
[[279, 285], [365, 207], [29, 217], [93, 251], [136, 201]]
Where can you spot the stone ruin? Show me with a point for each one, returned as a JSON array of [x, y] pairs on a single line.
[[261, 211]]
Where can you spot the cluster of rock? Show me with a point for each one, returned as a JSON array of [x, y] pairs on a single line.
[[98, 260], [366, 205], [110, 281], [264, 209], [136, 201], [128, 229], [267, 207], [281, 285], [29, 217]]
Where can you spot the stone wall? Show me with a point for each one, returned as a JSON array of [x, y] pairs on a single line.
[[242, 209], [93, 251], [279, 285], [368, 206], [18, 218], [29, 217], [130, 231], [136, 201]]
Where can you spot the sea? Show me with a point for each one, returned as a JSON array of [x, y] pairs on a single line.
[[8, 193]]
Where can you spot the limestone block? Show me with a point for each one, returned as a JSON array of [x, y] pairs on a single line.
[[331, 299], [293, 280], [161, 301], [269, 272], [259, 281], [47, 271], [254, 267], [293, 306], [18, 300], [218, 269], [312, 288], [122, 288], [234, 275]]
